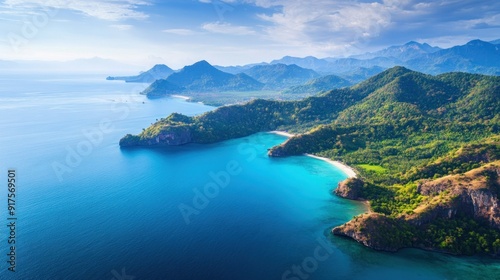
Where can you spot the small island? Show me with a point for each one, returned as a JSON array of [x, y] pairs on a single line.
[[427, 150]]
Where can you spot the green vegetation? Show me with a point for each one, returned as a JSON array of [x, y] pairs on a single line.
[[459, 161], [461, 236], [372, 168], [238, 97], [399, 128], [280, 76], [321, 84], [201, 77], [392, 201]]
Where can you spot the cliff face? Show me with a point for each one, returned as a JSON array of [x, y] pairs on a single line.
[[376, 231], [173, 137], [350, 189], [290, 147], [277, 151], [474, 194]]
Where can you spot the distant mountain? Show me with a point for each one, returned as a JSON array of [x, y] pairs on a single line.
[[281, 76], [161, 88], [202, 77], [308, 62], [232, 69], [238, 69], [361, 73], [340, 65], [159, 71], [320, 84], [495, 42], [200, 72], [405, 52], [474, 57], [331, 65]]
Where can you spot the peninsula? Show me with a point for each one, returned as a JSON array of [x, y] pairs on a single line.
[[426, 149]]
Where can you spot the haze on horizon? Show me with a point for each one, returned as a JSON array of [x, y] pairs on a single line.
[[233, 32]]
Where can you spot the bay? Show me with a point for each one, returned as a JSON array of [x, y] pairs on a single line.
[[87, 209]]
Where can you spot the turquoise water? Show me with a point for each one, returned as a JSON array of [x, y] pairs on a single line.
[[88, 210]]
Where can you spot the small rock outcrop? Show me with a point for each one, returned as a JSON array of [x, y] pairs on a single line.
[[474, 195], [376, 231], [277, 151], [351, 189]]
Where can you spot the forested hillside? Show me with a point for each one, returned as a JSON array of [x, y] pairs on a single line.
[[398, 129]]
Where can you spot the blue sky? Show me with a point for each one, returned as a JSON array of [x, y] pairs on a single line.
[[233, 32]]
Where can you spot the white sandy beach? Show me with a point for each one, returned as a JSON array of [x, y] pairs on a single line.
[[346, 169], [283, 133], [180, 96]]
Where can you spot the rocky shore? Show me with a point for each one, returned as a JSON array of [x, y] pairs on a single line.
[[473, 195]]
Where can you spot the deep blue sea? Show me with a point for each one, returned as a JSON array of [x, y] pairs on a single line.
[[86, 209]]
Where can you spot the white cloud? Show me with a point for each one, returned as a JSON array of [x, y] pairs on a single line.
[[217, 1], [112, 10], [122, 27], [226, 28], [180, 31], [327, 23]]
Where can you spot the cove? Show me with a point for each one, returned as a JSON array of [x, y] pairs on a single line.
[[116, 214]]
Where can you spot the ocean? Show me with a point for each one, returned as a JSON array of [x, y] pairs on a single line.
[[86, 209]]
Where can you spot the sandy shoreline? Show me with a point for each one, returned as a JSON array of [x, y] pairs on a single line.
[[282, 133], [346, 169], [180, 96]]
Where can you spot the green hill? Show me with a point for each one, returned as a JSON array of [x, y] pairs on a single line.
[[201, 77], [162, 87], [397, 128], [320, 84], [382, 99], [159, 71], [280, 76]]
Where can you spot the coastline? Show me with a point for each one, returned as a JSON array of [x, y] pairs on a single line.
[[349, 171], [180, 96], [282, 133]]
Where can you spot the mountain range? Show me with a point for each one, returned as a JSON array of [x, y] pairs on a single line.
[[296, 75], [474, 57], [201, 77], [300, 73], [281, 76], [404, 52], [314, 86]]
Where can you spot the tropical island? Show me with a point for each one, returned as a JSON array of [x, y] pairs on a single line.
[[427, 149]]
